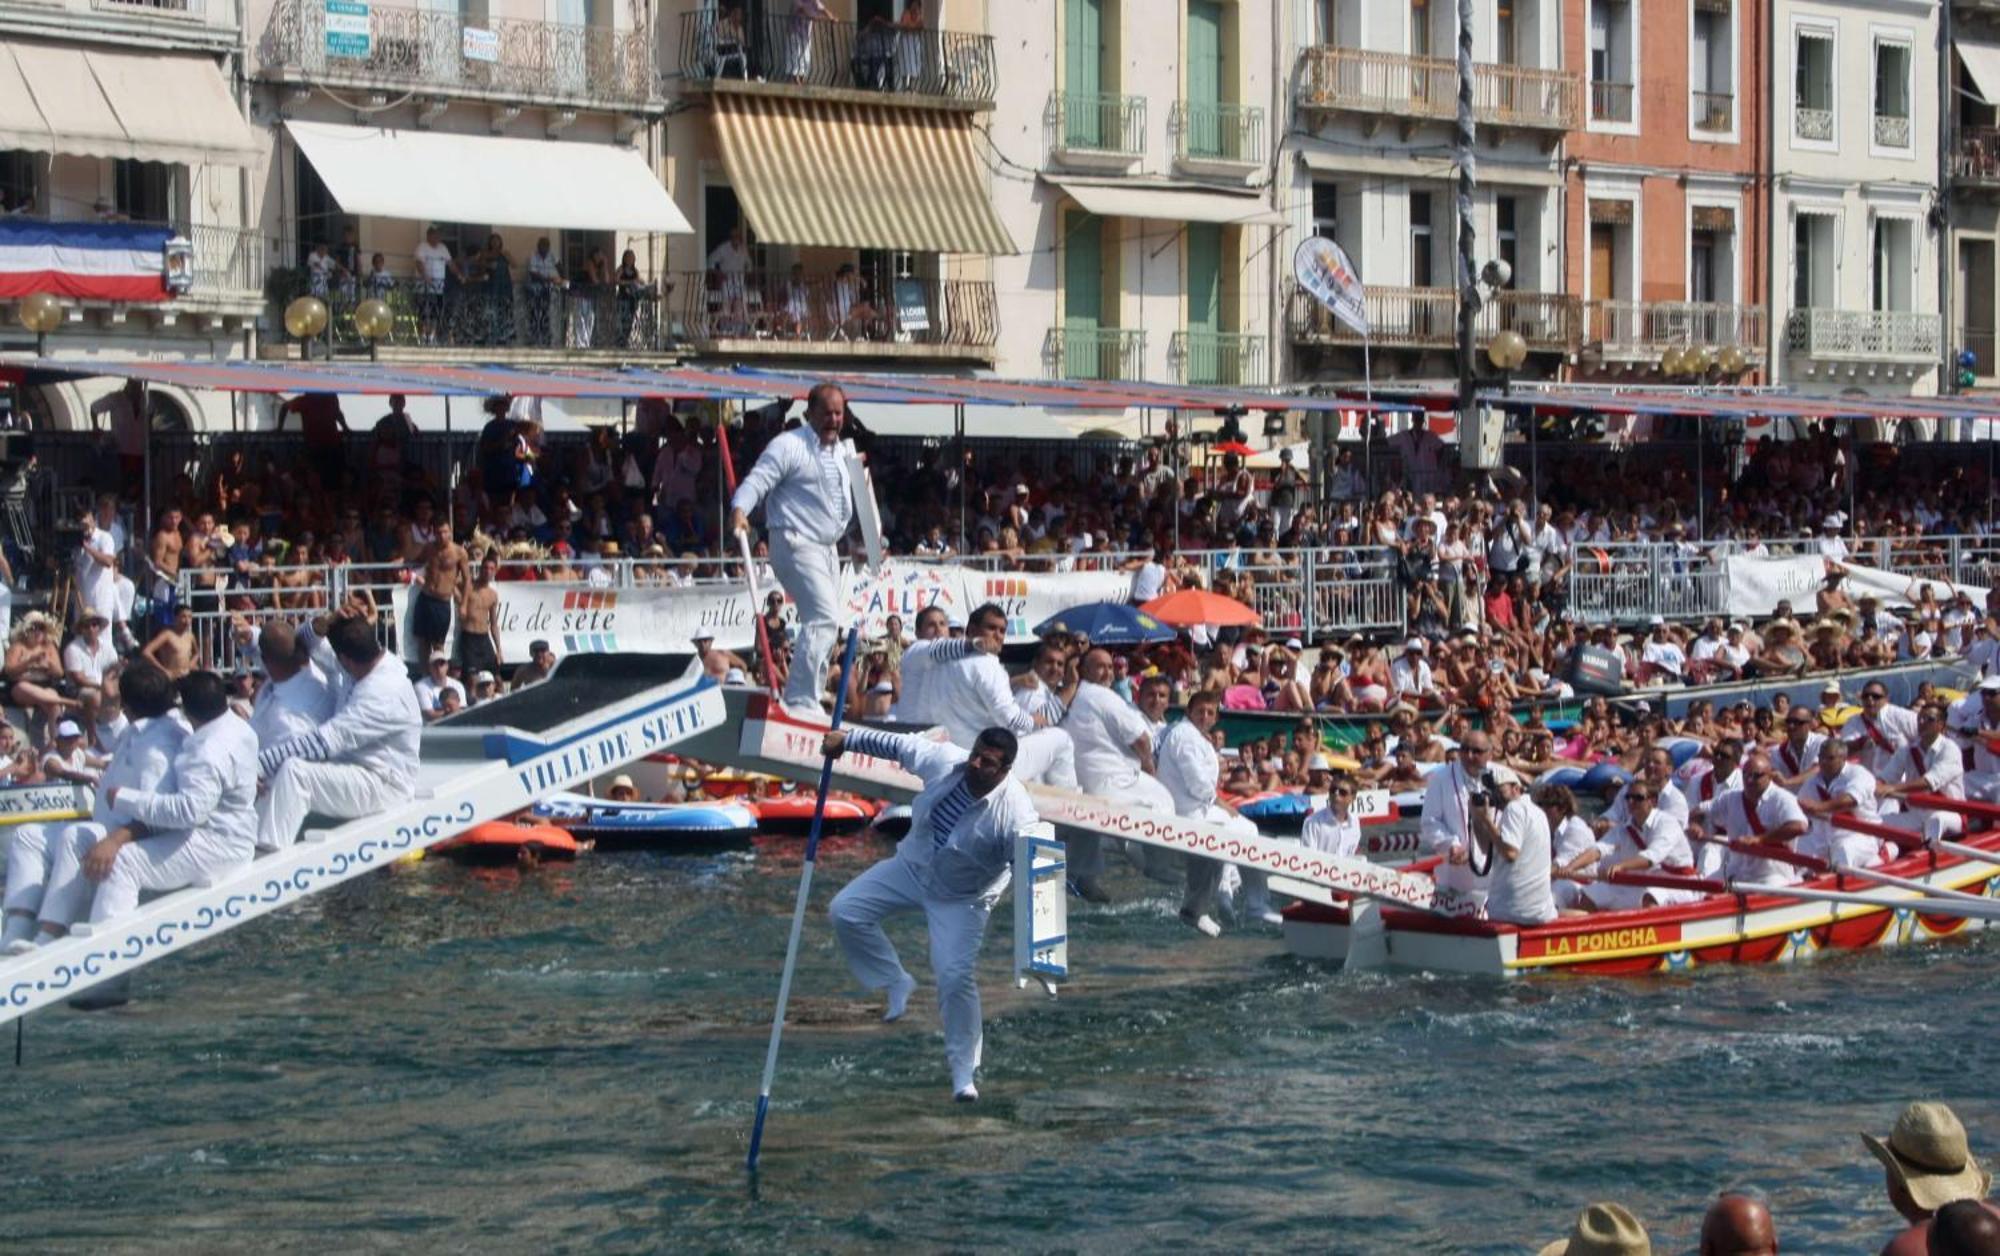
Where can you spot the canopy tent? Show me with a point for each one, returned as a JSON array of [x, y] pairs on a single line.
[[430, 176], [937, 421], [1743, 405], [141, 106]]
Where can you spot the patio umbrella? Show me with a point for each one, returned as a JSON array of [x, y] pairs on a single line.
[[1199, 606], [1236, 447], [1107, 623]]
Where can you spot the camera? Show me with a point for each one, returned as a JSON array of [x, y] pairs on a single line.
[[1488, 793]]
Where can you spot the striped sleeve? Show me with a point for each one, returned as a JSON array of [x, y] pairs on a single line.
[[310, 746], [874, 742]]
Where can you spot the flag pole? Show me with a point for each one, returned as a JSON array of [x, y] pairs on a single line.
[[799, 908]]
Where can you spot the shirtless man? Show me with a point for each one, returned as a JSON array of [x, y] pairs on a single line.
[[479, 620], [172, 649], [446, 573], [164, 551], [418, 537], [717, 662]]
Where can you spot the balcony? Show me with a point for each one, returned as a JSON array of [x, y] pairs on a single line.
[[826, 316], [1864, 341], [1216, 139], [1815, 125], [1102, 132], [1714, 112], [876, 61], [1611, 102], [506, 322], [226, 277], [1892, 131], [1638, 332], [1381, 85], [1975, 157], [1427, 318], [1218, 359], [1101, 353], [435, 52]]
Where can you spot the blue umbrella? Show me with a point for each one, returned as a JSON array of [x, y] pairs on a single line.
[[1108, 623]]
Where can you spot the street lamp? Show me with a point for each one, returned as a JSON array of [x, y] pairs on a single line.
[[1507, 351], [373, 321], [1674, 361], [40, 313], [1732, 361], [305, 318]]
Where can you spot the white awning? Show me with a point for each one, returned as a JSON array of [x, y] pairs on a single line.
[[981, 422], [1169, 203], [431, 176], [96, 102], [1982, 66], [1498, 173]]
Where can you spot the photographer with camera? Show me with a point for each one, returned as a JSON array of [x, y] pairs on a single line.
[[1506, 822], [1446, 827]]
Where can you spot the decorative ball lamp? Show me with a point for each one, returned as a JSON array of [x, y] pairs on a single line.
[[1733, 361], [41, 313], [1507, 350], [305, 318]]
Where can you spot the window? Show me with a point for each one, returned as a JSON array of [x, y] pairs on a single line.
[[147, 191], [1506, 45], [1326, 210], [1815, 254], [1710, 74], [1506, 235], [1812, 90], [1613, 61], [1421, 271], [1701, 267], [18, 181], [1895, 265], [1892, 94], [1420, 28]]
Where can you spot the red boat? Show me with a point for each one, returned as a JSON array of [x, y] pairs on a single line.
[[793, 813]]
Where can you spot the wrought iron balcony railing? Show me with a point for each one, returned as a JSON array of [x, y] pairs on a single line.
[[1103, 353], [1813, 124], [1096, 124], [1864, 335], [1207, 132], [874, 56], [804, 310], [436, 50], [1218, 359], [1646, 329], [1360, 80], [1714, 112]]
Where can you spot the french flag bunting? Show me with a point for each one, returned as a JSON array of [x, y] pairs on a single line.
[[89, 261]]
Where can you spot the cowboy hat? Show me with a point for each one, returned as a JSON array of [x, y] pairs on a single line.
[[1927, 1153], [1604, 1230]]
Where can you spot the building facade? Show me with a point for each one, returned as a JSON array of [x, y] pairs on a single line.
[[1971, 174]]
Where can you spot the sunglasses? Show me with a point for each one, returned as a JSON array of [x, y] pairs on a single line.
[[1874, 697], [1638, 798], [1799, 723], [1343, 792]]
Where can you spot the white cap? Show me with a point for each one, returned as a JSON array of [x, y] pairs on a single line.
[[1319, 763], [1414, 643], [68, 728], [1990, 685], [623, 781], [1656, 621], [482, 677], [1504, 775], [735, 676], [1294, 644], [440, 656], [1830, 687]]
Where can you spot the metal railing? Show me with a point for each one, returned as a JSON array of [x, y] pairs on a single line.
[[227, 262], [1428, 318], [437, 49], [1647, 328], [1892, 131], [1714, 111], [1813, 124], [1610, 102], [1975, 155], [1220, 359], [1865, 335], [1548, 321], [826, 309], [480, 315], [875, 56], [1096, 124], [1103, 353], [1211, 132], [1365, 81], [177, 8]]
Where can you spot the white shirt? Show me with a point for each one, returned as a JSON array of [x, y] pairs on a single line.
[[1332, 834], [1447, 809], [1729, 815], [1874, 742], [1939, 766], [1666, 656], [1662, 840], [1189, 768], [959, 847], [1572, 838], [214, 789], [1103, 727], [1792, 762], [90, 664], [919, 662], [1148, 581], [802, 485], [1407, 676], [1518, 888], [1671, 800], [141, 758], [286, 708], [376, 725], [969, 693], [1700, 788], [433, 260], [92, 577], [1828, 841]]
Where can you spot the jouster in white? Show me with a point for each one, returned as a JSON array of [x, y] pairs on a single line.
[[1759, 812], [361, 761], [1571, 838], [1334, 829], [1975, 722], [1190, 770], [1649, 840], [1929, 764], [297, 698], [952, 866], [802, 483], [919, 662], [1798, 753], [1836, 786], [1881, 729], [1114, 755]]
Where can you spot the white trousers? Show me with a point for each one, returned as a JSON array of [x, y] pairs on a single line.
[[165, 861], [1932, 824], [1983, 786], [67, 892], [957, 927], [347, 791], [1086, 854], [1204, 875], [114, 599], [28, 857], [1047, 757], [810, 572]]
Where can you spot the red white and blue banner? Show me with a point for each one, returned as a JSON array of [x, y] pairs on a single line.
[[84, 261]]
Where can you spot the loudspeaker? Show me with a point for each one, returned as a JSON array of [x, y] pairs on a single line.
[[1594, 670], [1480, 442]]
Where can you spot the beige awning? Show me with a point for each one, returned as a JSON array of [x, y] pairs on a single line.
[[1496, 173], [1115, 198], [1982, 66], [843, 175], [96, 102]]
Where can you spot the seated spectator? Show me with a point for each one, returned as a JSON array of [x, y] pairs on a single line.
[[33, 670], [1927, 1163]]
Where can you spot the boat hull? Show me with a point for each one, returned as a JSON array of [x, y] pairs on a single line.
[[633, 826]]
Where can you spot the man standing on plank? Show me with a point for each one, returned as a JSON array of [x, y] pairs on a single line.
[[802, 482]]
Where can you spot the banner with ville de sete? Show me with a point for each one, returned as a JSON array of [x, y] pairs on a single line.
[[664, 619]]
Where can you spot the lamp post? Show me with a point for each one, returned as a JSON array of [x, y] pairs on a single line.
[[40, 313], [373, 321], [305, 318]]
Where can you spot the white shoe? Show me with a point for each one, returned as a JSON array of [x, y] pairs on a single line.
[[899, 998], [1203, 924], [967, 1093], [1270, 917], [21, 946]]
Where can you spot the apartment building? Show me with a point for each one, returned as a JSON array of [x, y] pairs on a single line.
[[127, 174], [485, 128], [1972, 176], [1666, 220], [1855, 211], [1131, 145], [1372, 99]]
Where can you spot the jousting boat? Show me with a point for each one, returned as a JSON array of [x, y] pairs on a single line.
[[632, 825]]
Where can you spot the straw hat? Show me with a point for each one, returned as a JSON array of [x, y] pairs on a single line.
[[1604, 1230], [1928, 1154]]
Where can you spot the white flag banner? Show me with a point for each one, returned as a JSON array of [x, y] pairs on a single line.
[[1757, 585], [1324, 269]]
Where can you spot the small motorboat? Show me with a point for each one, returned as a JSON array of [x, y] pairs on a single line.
[[513, 841], [793, 812], [627, 825]]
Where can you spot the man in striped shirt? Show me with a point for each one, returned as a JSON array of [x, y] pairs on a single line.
[[952, 866]]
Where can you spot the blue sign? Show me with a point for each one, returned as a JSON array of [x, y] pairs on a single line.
[[347, 28]]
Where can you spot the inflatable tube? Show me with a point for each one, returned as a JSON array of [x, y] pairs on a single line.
[[1680, 748], [793, 813], [1275, 813], [1570, 776], [637, 824], [505, 841], [1605, 774]]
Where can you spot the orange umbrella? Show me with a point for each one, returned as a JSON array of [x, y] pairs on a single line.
[[1236, 447], [1199, 606]]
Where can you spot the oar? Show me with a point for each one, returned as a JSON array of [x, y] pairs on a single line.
[[1767, 850], [1967, 852], [1928, 906], [1964, 806], [799, 909], [1666, 881], [1915, 887], [1901, 839]]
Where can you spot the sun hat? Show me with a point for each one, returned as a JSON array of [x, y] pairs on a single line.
[[623, 781], [68, 728], [1503, 775], [1928, 1154], [1319, 763], [1603, 1230]]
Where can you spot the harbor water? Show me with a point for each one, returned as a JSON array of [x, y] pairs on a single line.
[[438, 1058]]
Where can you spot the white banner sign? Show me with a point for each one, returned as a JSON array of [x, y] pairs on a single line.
[[1323, 269], [1757, 585], [665, 619]]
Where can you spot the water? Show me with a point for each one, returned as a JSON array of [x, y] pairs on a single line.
[[439, 1058]]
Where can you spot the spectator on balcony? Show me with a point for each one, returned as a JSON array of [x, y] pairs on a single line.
[[435, 269], [347, 263], [545, 278], [795, 306], [852, 311], [910, 46], [320, 271], [799, 37], [493, 271], [586, 290], [728, 290], [631, 288], [381, 281], [730, 57]]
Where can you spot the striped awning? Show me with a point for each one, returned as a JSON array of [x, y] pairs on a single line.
[[841, 175]]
